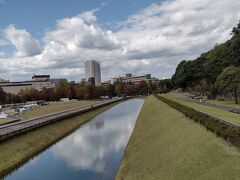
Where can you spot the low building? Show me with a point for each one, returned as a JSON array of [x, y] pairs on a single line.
[[41, 77], [129, 78], [39, 82], [105, 84]]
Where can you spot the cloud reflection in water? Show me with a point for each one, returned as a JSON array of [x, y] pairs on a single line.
[[91, 146]]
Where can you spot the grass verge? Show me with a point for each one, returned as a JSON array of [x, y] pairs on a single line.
[[219, 113], [8, 120], [17, 150], [224, 103], [167, 145], [54, 107]]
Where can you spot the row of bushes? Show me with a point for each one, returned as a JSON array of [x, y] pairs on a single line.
[[221, 128]]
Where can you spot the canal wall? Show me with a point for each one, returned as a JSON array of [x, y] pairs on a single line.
[[10, 130]]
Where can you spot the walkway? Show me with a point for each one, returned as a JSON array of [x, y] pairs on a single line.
[[10, 130], [226, 108]]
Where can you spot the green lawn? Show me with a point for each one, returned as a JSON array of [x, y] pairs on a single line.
[[54, 107], [167, 145], [225, 103], [2, 121], [16, 150], [226, 115]]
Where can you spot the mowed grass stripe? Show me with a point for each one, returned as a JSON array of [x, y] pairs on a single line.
[[219, 113], [167, 145]]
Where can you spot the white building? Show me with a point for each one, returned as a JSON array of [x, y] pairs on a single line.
[[92, 70], [129, 78], [38, 82]]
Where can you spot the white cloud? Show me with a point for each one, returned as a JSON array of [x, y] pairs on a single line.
[[76, 32], [89, 16], [3, 42], [105, 3], [2, 54], [180, 27], [153, 40], [23, 41]]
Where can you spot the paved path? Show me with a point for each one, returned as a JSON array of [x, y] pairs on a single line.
[[10, 130], [226, 108]]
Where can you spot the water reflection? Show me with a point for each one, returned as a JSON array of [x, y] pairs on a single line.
[[93, 151]]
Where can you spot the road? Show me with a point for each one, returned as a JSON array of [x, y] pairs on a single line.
[[13, 129]]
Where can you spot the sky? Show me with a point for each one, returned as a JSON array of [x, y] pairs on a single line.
[[129, 36]]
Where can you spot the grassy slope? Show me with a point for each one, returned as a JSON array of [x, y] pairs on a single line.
[[210, 110], [54, 107], [2, 121], [167, 145], [20, 148]]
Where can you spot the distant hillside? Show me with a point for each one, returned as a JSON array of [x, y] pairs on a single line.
[[201, 73]]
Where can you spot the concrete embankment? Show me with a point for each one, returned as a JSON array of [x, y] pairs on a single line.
[[13, 129]]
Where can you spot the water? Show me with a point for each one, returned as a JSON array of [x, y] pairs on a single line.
[[94, 151]]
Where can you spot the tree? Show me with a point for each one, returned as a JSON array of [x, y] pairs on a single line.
[[62, 89], [2, 96], [129, 90], [165, 85], [229, 80], [236, 30], [143, 88], [202, 73], [29, 94], [119, 89], [189, 73], [89, 92], [80, 91], [110, 90]]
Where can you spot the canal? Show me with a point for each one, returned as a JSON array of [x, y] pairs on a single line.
[[93, 151]]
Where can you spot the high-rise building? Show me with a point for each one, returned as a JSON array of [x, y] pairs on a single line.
[[92, 70]]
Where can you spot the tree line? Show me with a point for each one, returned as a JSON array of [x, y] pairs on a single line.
[[216, 72], [64, 89]]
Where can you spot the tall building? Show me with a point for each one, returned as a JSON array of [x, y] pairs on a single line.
[[92, 70]]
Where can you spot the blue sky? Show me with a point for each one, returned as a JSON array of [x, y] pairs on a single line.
[[38, 15], [137, 36]]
